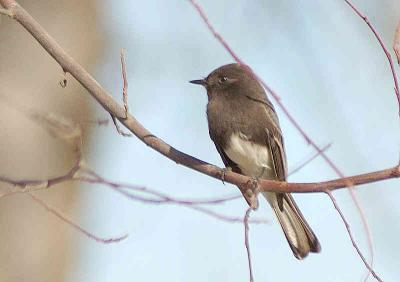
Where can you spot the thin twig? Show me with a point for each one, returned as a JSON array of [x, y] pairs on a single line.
[[349, 184], [385, 50], [118, 128], [397, 92], [124, 96], [99, 122], [74, 225], [162, 198], [95, 89], [111, 106], [309, 160], [347, 225], [125, 88], [396, 43], [247, 243], [6, 12]]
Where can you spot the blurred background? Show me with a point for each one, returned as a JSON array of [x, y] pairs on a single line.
[[320, 58]]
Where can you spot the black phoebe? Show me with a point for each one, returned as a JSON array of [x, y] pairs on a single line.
[[245, 129]]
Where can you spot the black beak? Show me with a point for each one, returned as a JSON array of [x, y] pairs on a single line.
[[199, 81]]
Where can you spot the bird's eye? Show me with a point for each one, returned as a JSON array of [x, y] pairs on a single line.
[[223, 79]]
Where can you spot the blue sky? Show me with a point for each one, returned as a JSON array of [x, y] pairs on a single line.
[[331, 74]]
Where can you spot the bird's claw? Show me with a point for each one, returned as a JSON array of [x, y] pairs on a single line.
[[251, 193], [223, 173]]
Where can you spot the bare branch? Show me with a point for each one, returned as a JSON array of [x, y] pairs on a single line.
[[118, 128], [135, 127], [6, 13], [385, 50], [347, 225], [246, 241], [124, 96], [307, 161], [161, 198], [74, 225], [125, 88], [396, 43], [110, 105], [61, 129], [295, 123]]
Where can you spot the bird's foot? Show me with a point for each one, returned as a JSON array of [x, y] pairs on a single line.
[[250, 193], [223, 173]]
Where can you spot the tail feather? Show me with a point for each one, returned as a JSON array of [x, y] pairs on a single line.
[[298, 233]]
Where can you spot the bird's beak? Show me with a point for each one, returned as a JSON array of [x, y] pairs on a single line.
[[199, 81]]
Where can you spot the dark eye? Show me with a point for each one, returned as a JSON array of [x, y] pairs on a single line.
[[223, 79]]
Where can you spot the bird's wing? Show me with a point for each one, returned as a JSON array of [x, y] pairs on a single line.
[[275, 142], [274, 136], [227, 161], [250, 198]]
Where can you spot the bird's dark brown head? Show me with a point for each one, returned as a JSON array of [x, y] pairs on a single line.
[[227, 77]]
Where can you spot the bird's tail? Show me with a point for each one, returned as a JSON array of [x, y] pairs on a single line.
[[299, 235]]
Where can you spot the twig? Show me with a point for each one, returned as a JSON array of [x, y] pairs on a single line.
[[396, 43], [162, 198], [61, 129], [6, 12], [125, 88], [246, 241], [349, 184], [74, 225], [309, 160], [63, 82], [99, 122], [397, 92], [124, 96], [118, 128], [347, 225], [143, 134], [385, 50], [111, 106]]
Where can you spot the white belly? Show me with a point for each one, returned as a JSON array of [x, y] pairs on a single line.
[[253, 160]]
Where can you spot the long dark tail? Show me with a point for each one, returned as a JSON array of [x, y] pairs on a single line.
[[299, 235]]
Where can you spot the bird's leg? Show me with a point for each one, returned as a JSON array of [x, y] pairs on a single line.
[[250, 192], [224, 171], [252, 189]]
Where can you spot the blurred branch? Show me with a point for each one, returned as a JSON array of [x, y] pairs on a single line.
[[70, 133], [158, 198], [396, 43], [111, 106], [124, 96], [353, 242], [95, 89], [246, 241], [385, 50], [309, 160], [297, 125], [74, 225], [302, 132]]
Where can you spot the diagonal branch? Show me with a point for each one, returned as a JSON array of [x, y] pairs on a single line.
[[94, 88], [396, 43], [385, 50], [111, 106], [74, 225]]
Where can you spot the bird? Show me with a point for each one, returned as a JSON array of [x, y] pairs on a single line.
[[244, 127]]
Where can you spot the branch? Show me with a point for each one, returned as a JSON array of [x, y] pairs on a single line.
[[385, 50], [111, 106], [353, 242], [307, 161], [247, 243], [97, 92], [396, 43], [76, 226]]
